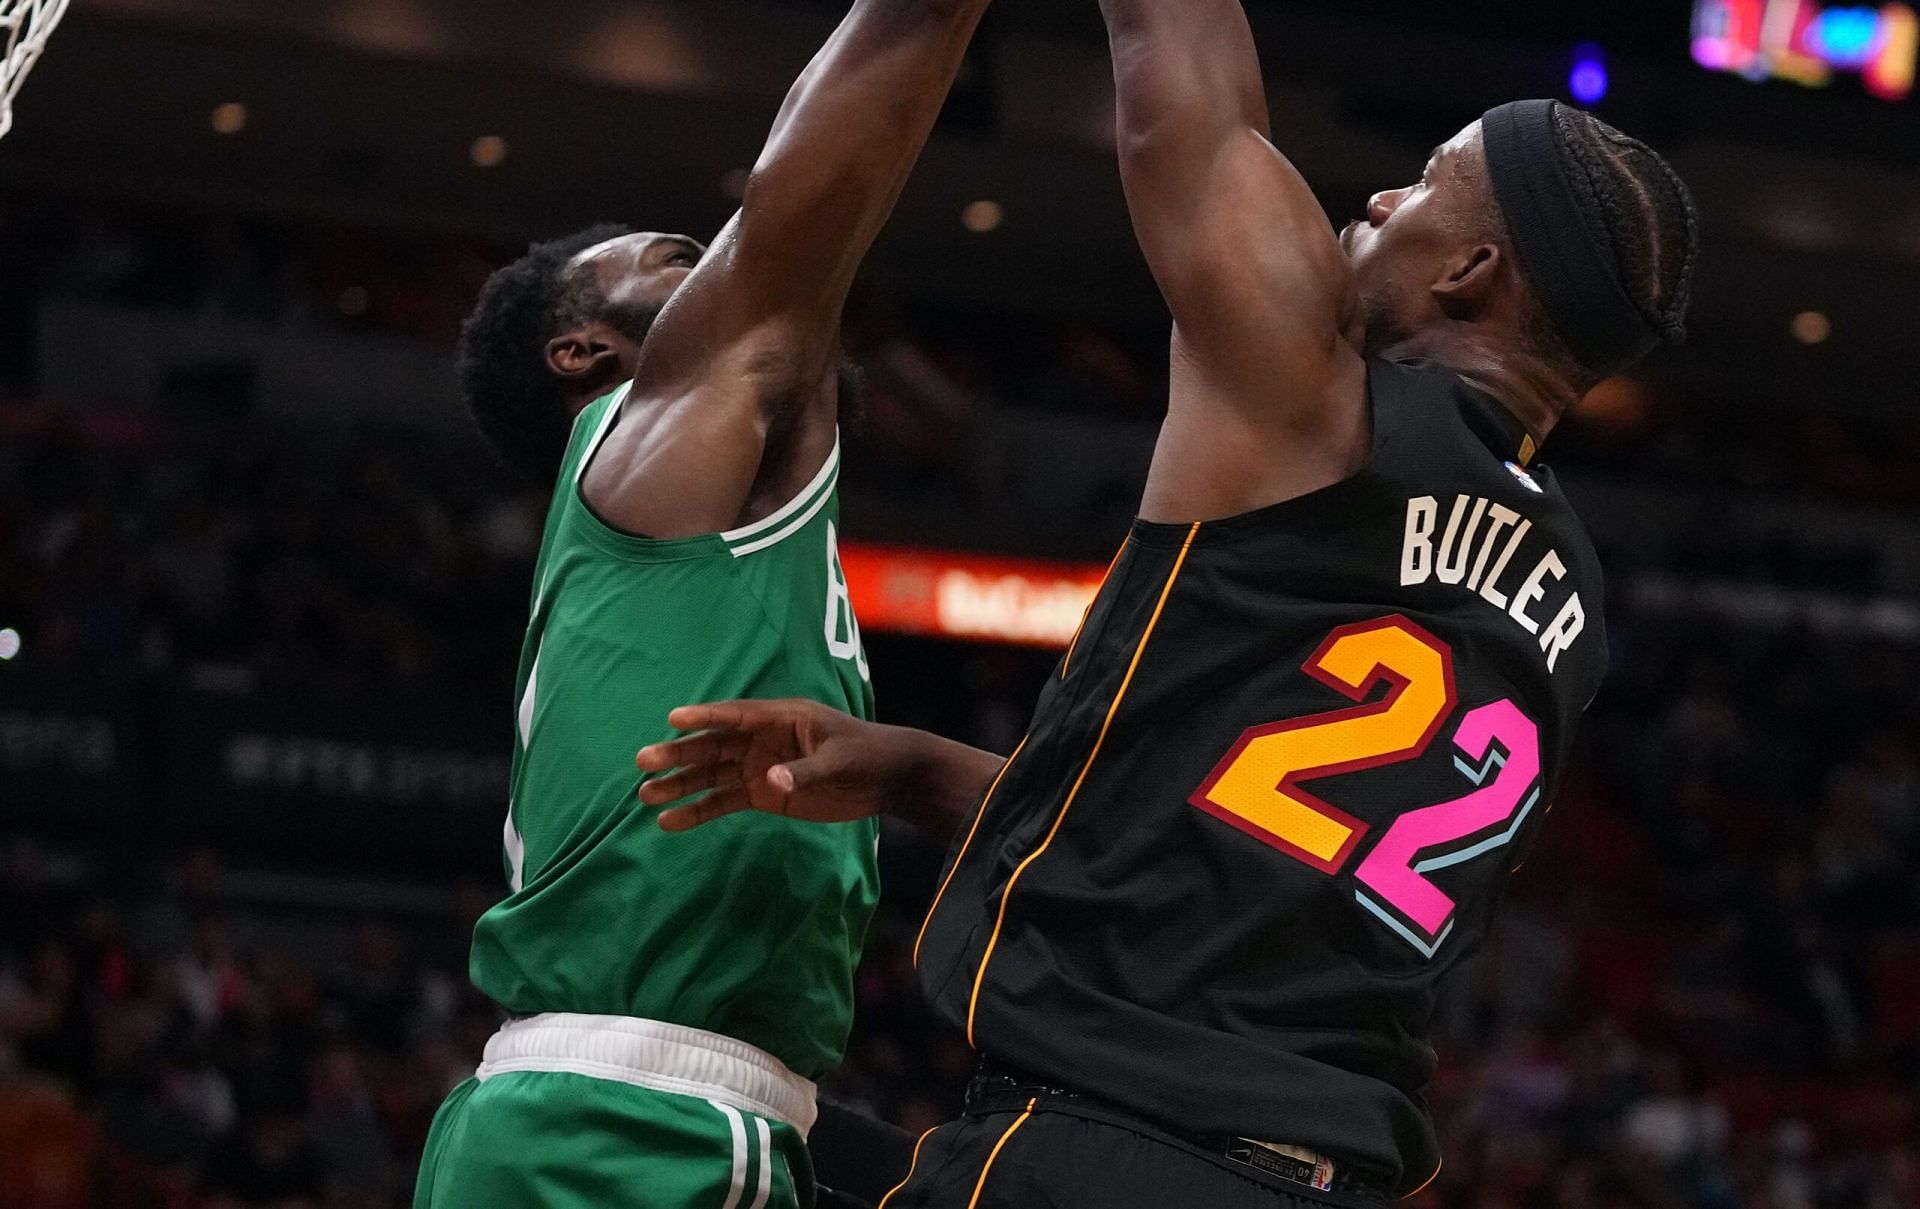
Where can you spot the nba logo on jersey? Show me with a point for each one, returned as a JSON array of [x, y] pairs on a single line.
[[1520, 472], [1323, 1173], [1295, 1163]]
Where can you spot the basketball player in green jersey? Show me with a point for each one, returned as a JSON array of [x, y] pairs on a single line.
[[672, 997]]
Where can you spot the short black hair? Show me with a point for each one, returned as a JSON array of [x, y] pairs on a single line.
[[1636, 206], [515, 399]]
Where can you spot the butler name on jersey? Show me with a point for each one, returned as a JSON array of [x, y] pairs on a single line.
[[1464, 555], [1276, 789]]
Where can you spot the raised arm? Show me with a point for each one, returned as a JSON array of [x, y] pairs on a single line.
[[1268, 395], [752, 338]]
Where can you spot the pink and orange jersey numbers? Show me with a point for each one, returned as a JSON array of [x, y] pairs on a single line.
[[1257, 786]]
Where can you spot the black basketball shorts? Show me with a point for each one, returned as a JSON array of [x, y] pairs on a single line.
[[1053, 1160]]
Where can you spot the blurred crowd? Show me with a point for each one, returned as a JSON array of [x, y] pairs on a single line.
[[162, 1047], [1708, 993], [326, 558], [127, 548], [1705, 994], [965, 357]]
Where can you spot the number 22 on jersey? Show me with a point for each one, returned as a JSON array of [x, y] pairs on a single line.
[[1257, 787]]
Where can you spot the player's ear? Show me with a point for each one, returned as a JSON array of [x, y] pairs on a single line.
[[588, 352], [1468, 281]]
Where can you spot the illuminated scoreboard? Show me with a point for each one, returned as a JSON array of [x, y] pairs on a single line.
[[1809, 43]]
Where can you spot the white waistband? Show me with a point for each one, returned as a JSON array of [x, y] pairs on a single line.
[[650, 1053]]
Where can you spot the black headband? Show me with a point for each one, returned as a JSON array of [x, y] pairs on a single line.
[[1573, 275]]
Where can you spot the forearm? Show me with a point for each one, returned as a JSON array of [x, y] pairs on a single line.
[[941, 782], [1186, 75], [1191, 116], [845, 143], [752, 339], [1236, 240]]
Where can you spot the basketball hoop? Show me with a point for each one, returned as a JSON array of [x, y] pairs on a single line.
[[25, 26]]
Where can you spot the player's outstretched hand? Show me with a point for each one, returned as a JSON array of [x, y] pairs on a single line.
[[798, 759]]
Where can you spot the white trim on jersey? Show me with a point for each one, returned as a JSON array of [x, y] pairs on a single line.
[[812, 498], [827, 470], [525, 714], [798, 523], [516, 855], [600, 434]]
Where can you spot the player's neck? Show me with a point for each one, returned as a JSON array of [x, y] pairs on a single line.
[[1535, 394]]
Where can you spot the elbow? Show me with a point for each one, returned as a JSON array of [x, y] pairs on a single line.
[[938, 12], [1165, 102], [764, 190], [947, 12], [1149, 123], [1141, 138], [1128, 21]]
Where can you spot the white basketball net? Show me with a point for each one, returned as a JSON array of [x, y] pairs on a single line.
[[25, 26]]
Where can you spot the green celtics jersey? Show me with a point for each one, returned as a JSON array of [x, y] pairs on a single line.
[[750, 926]]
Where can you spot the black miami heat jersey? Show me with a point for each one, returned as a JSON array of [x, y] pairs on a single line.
[[1275, 789]]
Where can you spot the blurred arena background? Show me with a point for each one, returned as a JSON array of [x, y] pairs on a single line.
[[261, 590]]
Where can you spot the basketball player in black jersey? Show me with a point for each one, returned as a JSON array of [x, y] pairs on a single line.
[[1323, 702]]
